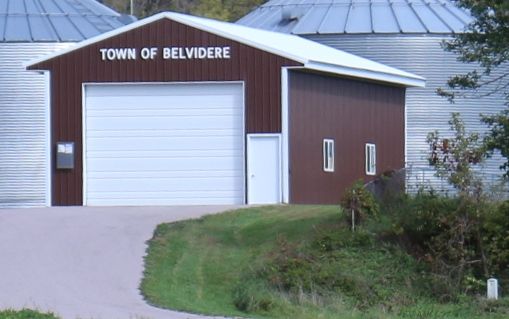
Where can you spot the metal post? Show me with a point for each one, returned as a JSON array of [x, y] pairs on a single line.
[[132, 7]]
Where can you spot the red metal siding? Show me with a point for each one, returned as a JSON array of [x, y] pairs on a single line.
[[351, 112], [260, 70]]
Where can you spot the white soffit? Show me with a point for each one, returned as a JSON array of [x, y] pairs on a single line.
[[312, 55]]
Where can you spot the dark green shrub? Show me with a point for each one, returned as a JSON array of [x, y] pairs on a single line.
[[495, 239], [359, 200], [422, 217]]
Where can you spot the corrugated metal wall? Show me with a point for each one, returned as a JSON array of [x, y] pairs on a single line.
[[352, 113], [426, 111], [23, 140]]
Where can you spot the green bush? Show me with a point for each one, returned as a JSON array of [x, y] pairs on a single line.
[[359, 200], [462, 240], [421, 217], [495, 238]]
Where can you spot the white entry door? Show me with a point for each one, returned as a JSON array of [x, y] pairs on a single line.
[[264, 168], [164, 144]]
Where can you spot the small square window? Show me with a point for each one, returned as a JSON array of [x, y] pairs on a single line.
[[328, 155], [370, 159]]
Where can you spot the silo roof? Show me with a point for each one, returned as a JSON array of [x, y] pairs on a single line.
[[56, 20], [359, 16]]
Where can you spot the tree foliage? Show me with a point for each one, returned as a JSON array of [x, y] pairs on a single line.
[[453, 158], [485, 44], [227, 10]]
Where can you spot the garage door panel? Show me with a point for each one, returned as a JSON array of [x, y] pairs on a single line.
[[160, 122], [167, 174], [167, 133], [186, 199], [164, 184], [162, 89], [164, 144], [159, 103], [165, 195], [164, 111], [160, 164], [112, 154]]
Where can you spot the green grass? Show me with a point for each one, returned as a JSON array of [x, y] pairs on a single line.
[[239, 258], [25, 314]]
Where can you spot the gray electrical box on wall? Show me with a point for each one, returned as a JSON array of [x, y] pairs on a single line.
[[65, 155]]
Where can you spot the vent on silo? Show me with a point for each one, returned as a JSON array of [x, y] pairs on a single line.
[[289, 14]]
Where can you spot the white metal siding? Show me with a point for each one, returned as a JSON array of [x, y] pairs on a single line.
[[164, 144], [426, 111], [23, 135]]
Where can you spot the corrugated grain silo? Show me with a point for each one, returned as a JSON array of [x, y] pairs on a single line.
[[406, 34], [30, 29]]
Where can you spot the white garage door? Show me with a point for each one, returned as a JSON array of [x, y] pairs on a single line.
[[164, 144]]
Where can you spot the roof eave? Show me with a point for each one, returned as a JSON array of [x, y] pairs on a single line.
[[408, 81]]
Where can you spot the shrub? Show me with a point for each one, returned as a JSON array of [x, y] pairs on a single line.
[[495, 240], [462, 240], [361, 202]]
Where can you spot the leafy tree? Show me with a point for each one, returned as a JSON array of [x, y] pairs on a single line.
[[228, 10], [486, 43], [454, 158]]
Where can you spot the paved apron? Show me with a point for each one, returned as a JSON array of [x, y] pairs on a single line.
[[82, 262]]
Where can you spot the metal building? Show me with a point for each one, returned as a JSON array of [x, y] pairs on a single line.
[[30, 29], [175, 109], [406, 34]]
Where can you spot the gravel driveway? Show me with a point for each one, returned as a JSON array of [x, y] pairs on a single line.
[[82, 262]]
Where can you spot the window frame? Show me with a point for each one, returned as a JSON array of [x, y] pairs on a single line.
[[370, 159], [328, 155]]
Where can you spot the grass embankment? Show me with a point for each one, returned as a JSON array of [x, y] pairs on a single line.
[[25, 314], [291, 261]]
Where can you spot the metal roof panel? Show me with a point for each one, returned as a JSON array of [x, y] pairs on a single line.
[[66, 31], [3, 20], [42, 30], [448, 18], [3, 7], [87, 29], [408, 21], [383, 18], [335, 20], [431, 21], [16, 7], [68, 8], [311, 20], [55, 20], [359, 19], [464, 16], [362, 16], [32, 7], [50, 6], [16, 29]]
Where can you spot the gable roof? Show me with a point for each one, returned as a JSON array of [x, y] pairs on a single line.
[[56, 20], [358, 16], [312, 55]]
